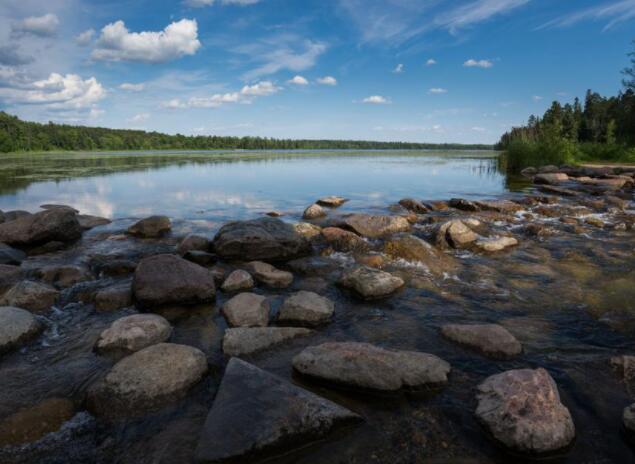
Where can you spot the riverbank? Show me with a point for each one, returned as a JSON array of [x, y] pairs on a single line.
[[450, 310]]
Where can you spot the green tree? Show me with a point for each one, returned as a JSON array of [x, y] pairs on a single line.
[[629, 72]]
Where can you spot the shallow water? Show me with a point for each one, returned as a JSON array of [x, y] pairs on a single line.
[[569, 299]]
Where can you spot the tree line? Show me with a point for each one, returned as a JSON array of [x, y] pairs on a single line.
[[23, 136]]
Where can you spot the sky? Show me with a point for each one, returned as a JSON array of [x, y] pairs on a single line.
[[396, 70]]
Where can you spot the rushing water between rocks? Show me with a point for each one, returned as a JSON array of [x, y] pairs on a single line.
[[566, 292]]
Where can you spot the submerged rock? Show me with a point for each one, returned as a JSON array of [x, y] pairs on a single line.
[[115, 297], [59, 225], [16, 327], [34, 296], [269, 275], [244, 341], [260, 239], [167, 279], [133, 333], [238, 280], [366, 366], [306, 308], [147, 379], [344, 240], [414, 249], [490, 339], [151, 227], [492, 244], [314, 211], [247, 310], [257, 415], [193, 243], [371, 283], [64, 276], [9, 255], [522, 410], [376, 226], [332, 201]]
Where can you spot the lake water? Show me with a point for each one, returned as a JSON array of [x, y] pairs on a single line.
[[224, 186]]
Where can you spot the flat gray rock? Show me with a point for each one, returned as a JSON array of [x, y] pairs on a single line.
[[247, 310], [269, 275], [332, 201], [257, 415], [371, 283], [376, 226], [151, 227], [133, 333], [306, 308], [16, 326], [366, 366], [243, 341], [490, 339], [238, 280]]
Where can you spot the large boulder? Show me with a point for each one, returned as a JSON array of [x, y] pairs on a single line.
[[151, 227], [491, 339], [366, 366], [269, 275], [9, 255], [376, 226], [370, 283], [257, 415], [167, 279], [53, 225], [306, 308], [133, 333], [31, 295], [267, 239], [522, 410], [147, 379], [247, 310], [244, 341], [16, 326], [413, 249]]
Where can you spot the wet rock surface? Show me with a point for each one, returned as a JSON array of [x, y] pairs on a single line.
[[314, 211], [133, 333], [151, 227], [59, 224], [34, 296], [238, 280], [9, 255], [306, 308], [370, 283], [269, 275], [247, 310], [244, 341], [490, 339], [16, 327], [376, 226]]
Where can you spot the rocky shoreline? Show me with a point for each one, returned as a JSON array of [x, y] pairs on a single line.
[[272, 281]]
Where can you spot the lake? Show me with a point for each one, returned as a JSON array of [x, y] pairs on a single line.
[[232, 185]]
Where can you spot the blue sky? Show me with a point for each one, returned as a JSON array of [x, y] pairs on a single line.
[[412, 70]]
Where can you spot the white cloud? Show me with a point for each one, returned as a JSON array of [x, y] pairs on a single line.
[[478, 129], [85, 37], [431, 62], [173, 104], [437, 90], [141, 117], [376, 100], [261, 89], [132, 87], [476, 12], [245, 96], [298, 80], [536, 98], [10, 55], [472, 63], [117, 43], [327, 80], [43, 26], [398, 69], [614, 13], [202, 3]]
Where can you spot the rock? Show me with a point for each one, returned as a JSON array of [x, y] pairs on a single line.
[[48, 247], [343, 240], [529, 172], [376, 226], [306, 308], [115, 297], [463, 205], [362, 365], [332, 201], [244, 341], [522, 410], [274, 214], [9, 276], [60, 225], [202, 258], [269, 275], [247, 310], [375, 260], [370, 283], [15, 214], [87, 221], [500, 206], [564, 192], [438, 205], [549, 168], [314, 211], [625, 364], [117, 267], [63, 276], [34, 296], [53, 206], [1, 217], [595, 222], [414, 249], [151, 227], [454, 233], [307, 230], [260, 239], [491, 339], [10, 255], [315, 266], [146, 380], [628, 418], [16, 327], [414, 205], [167, 279], [257, 415], [550, 178], [32, 423], [133, 333], [193, 243], [616, 202], [238, 280], [493, 244]]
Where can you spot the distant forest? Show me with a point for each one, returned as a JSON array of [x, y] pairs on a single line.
[[22, 136]]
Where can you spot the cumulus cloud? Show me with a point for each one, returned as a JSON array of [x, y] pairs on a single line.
[[11, 56], [376, 100], [298, 80], [117, 43], [398, 69], [472, 63], [431, 62], [327, 80], [202, 3], [245, 96], [141, 117], [42, 26], [437, 90], [132, 87], [85, 37]]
